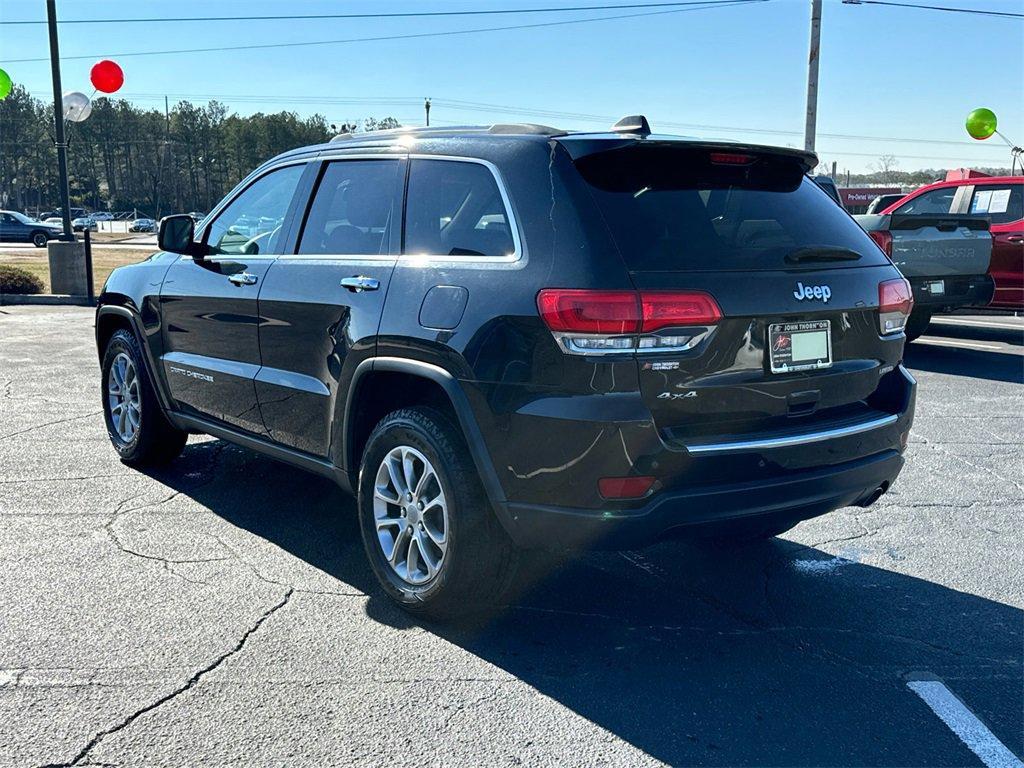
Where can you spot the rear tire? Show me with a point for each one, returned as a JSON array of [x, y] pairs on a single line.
[[136, 425], [917, 324], [39, 239], [436, 548]]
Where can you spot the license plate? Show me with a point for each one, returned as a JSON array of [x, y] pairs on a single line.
[[936, 287], [800, 346]]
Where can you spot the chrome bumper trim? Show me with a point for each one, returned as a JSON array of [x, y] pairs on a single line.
[[743, 446]]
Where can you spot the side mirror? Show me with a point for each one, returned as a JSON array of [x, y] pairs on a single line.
[[177, 235]]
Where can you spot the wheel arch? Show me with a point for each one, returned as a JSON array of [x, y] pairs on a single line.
[[383, 384], [111, 318]]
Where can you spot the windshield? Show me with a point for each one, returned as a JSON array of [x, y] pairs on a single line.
[[22, 217], [674, 209]]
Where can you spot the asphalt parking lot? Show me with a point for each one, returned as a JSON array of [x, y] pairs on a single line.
[[220, 612]]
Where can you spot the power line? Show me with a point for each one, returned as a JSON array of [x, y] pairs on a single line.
[[949, 9], [709, 5], [397, 15]]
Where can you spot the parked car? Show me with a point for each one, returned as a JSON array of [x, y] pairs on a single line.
[[142, 225], [197, 216], [83, 223], [944, 255], [999, 200], [18, 228], [882, 202], [513, 337], [828, 184], [102, 216], [55, 221]]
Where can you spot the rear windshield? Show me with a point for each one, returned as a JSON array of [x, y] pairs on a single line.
[[674, 209]]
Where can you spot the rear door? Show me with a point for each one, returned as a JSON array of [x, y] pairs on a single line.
[[209, 314], [796, 279], [1003, 206], [321, 305]]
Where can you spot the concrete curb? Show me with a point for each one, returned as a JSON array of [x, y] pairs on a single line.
[[7, 299]]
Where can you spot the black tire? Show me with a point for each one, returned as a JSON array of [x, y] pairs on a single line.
[[155, 440], [39, 239], [480, 562], [917, 324]]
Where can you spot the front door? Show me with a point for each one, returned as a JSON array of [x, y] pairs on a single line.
[[210, 316], [1003, 205], [320, 307]]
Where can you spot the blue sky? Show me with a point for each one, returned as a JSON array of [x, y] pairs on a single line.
[[907, 76]]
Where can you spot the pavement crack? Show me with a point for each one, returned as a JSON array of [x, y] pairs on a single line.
[[50, 424], [190, 683]]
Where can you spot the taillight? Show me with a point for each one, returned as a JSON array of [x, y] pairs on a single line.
[[590, 322], [883, 239], [895, 301]]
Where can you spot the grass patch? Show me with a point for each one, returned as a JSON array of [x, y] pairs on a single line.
[[104, 261]]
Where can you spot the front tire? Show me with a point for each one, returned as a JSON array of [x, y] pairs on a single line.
[[430, 535], [137, 427]]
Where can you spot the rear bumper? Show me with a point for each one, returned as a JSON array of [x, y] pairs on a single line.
[[959, 291], [800, 497], [786, 476]]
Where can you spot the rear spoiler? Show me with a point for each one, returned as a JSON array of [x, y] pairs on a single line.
[[583, 145]]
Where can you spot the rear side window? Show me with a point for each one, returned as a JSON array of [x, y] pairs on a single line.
[[454, 208], [351, 213], [938, 202], [675, 209], [999, 204]]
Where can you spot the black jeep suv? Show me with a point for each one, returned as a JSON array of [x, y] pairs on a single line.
[[512, 337]]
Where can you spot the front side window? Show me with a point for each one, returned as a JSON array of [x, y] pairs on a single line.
[[251, 224], [999, 204], [454, 208], [352, 209], [938, 202]]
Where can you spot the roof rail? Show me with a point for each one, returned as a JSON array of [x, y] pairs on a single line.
[[498, 129]]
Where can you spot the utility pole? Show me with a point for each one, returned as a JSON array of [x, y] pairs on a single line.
[[426, 107], [58, 122], [812, 76]]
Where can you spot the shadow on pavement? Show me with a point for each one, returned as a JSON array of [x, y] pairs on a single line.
[[975, 363], [776, 654]]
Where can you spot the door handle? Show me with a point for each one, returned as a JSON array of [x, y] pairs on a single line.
[[242, 278], [360, 283], [1015, 239]]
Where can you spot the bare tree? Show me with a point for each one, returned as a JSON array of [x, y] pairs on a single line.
[[886, 167]]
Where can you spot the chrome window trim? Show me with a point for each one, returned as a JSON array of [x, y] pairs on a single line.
[[706, 449], [421, 259]]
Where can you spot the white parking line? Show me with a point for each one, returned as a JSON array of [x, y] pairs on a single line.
[[982, 323], [968, 344], [961, 721]]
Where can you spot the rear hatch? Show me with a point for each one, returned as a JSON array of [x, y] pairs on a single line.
[[798, 343]]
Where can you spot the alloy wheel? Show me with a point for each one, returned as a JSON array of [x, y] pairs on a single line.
[[123, 397], [411, 515]]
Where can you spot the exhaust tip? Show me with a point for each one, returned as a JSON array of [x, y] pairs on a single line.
[[874, 496]]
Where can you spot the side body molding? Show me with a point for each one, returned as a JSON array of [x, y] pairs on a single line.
[[463, 410]]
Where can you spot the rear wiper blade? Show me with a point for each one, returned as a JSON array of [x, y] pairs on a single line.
[[821, 253]]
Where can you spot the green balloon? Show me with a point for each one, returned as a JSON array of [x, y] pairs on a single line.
[[5, 84], [981, 123]]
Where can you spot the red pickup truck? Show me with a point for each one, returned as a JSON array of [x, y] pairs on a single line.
[[1000, 199]]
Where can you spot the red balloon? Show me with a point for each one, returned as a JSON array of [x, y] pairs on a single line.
[[106, 76]]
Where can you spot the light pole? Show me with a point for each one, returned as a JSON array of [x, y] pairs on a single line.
[[58, 122], [810, 126]]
